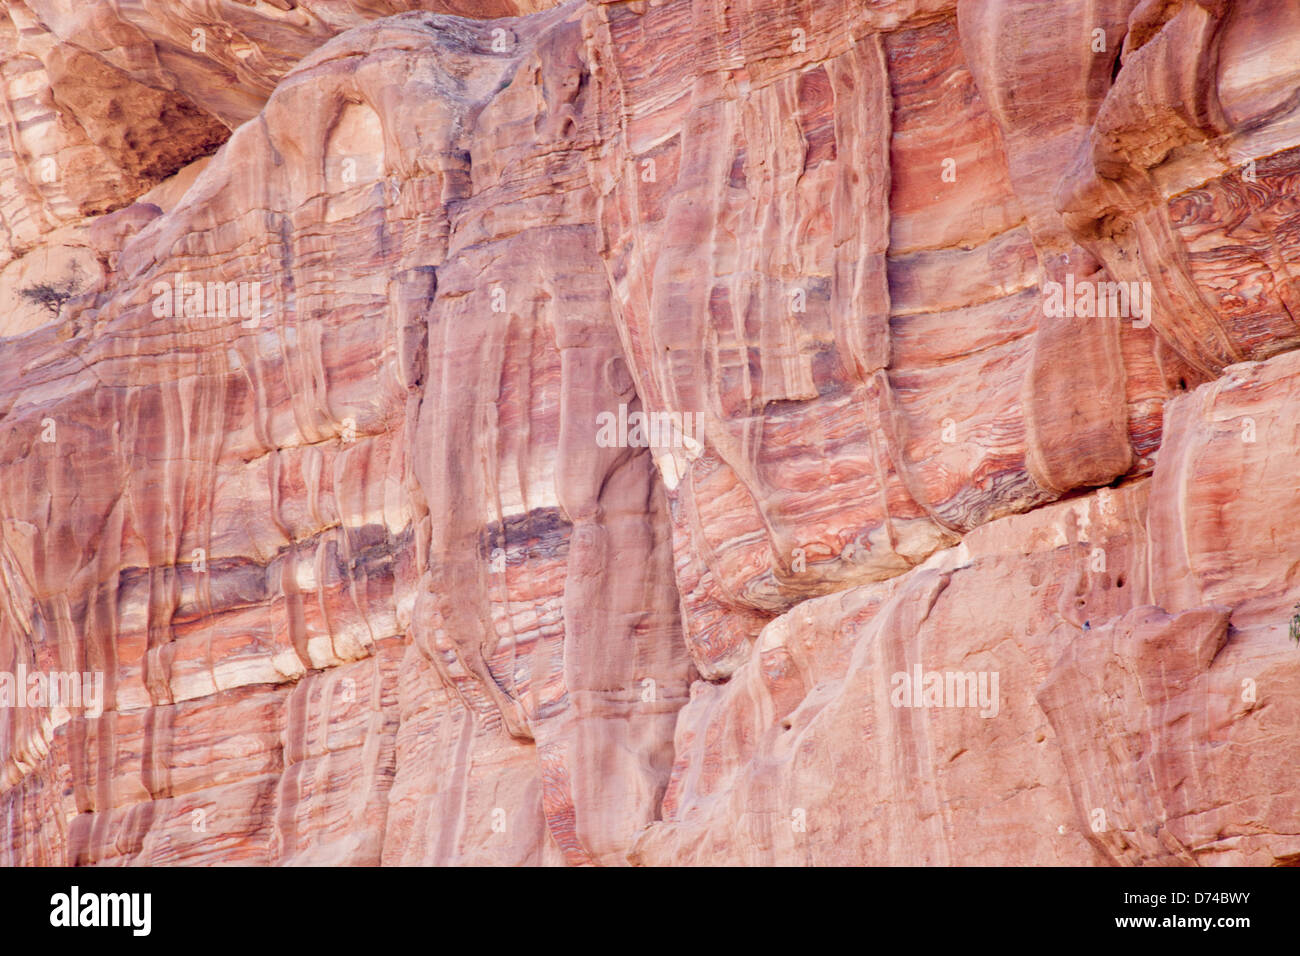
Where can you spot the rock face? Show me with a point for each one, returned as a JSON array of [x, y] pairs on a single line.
[[659, 432]]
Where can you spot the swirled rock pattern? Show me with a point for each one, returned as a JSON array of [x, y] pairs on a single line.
[[968, 537]]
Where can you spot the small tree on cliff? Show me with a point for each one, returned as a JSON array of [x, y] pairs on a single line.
[[52, 295]]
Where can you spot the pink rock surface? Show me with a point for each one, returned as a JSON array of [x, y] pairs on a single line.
[[1145, 694], [367, 585]]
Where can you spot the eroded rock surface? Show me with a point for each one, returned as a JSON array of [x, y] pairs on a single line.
[[301, 448]]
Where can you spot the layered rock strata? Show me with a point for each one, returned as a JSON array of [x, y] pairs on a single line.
[[967, 334]]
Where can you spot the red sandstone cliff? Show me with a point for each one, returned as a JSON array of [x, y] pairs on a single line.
[[364, 579]]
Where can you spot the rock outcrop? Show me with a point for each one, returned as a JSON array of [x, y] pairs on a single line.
[[660, 432]]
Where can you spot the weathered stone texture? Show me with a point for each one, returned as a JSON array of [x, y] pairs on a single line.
[[365, 584]]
